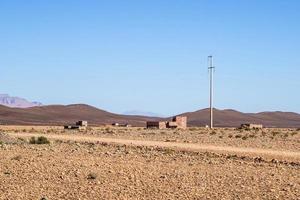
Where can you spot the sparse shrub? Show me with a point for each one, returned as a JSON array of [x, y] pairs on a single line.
[[286, 135], [244, 137], [193, 129], [168, 151], [18, 158], [221, 136], [92, 176], [213, 133], [263, 134], [294, 133], [274, 133], [108, 130], [39, 140], [252, 136], [230, 135], [238, 136], [1, 142], [21, 139]]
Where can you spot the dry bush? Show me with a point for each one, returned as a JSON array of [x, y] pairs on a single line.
[[245, 137], [263, 134], [39, 140], [274, 133], [213, 133], [238, 136], [92, 176], [294, 133], [193, 129]]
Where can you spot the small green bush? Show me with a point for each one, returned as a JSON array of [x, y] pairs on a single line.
[[39, 140]]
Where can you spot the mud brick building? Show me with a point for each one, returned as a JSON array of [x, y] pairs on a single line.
[[80, 125], [252, 126], [177, 122]]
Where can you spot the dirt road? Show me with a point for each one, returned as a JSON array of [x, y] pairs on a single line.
[[267, 153]]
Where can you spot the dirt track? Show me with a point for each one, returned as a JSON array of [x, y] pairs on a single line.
[[268, 153]]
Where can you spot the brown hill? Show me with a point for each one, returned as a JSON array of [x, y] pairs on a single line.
[[60, 115], [232, 118]]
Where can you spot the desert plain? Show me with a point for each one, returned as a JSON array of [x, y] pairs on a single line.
[[137, 163]]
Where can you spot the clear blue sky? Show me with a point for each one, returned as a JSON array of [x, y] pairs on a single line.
[[152, 55]]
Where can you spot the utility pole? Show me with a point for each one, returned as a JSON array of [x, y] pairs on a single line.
[[211, 69]]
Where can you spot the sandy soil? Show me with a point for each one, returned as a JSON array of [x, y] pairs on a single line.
[[88, 166]]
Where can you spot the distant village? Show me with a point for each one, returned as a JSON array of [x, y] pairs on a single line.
[[177, 122]]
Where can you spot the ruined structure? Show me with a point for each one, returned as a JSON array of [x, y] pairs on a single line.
[[252, 126], [181, 122], [121, 125], [80, 125], [177, 122], [159, 125]]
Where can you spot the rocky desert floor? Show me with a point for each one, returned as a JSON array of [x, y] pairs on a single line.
[[134, 163]]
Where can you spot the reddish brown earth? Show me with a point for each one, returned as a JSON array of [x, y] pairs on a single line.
[[59, 115]]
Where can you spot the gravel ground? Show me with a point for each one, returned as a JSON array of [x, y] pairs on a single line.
[[100, 171], [277, 139]]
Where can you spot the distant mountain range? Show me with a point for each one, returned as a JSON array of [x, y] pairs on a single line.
[[60, 115], [142, 113], [233, 118], [16, 102]]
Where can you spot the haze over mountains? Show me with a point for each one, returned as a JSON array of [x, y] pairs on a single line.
[[60, 115], [16, 102], [142, 113]]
